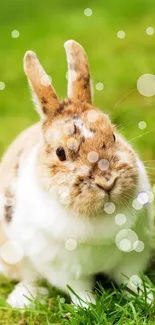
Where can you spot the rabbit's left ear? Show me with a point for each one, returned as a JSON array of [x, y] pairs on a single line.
[[43, 92], [79, 87]]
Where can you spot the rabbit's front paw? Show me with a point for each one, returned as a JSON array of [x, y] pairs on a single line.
[[22, 295], [83, 299]]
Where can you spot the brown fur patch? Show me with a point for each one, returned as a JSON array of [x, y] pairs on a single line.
[[9, 205], [68, 109], [8, 211], [43, 100]]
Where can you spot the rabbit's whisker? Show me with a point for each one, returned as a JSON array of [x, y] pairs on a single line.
[[122, 98], [139, 136]]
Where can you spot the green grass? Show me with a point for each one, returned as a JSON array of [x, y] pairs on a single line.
[[113, 306], [44, 26]]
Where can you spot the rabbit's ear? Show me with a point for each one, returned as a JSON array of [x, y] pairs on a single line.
[[44, 94], [78, 72]]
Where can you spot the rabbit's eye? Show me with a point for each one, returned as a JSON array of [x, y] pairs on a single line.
[[61, 153], [114, 137]]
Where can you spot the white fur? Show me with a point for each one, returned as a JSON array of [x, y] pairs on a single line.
[[85, 132], [42, 226]]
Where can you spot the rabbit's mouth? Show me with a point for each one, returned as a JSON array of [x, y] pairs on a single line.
[[87, 200], [91, 199], [88, 194]]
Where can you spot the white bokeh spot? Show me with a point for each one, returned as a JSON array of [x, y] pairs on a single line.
[[15, 33], [135, 281], [11, 252], [138, 246], [71, 244], [137, 205], [92, 116], [88, 12], [121, 34], [2, 85], [93, 156], [103, 164], [69, 129], [125, 240], [72, 144], [120, 219], [142, 125], [150, 31], [109, 207], [143, 198], [123, 156], [99, 86], [125, 245], [146, 85]]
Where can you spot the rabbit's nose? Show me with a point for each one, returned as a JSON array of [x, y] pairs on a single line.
[[104, 184]]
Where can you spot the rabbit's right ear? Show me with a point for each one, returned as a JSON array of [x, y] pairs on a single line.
[[43, 92], [79, 87]]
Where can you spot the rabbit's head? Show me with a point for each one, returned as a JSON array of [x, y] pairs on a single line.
[[82, 157]]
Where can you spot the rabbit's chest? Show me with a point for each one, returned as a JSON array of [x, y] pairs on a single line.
[[56, 245], [87, 259], [74, 259], [56, 241]]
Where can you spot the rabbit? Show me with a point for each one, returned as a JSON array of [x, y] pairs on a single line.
[[75, 199]]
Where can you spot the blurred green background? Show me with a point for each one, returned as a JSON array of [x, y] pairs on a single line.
[[44, 26]]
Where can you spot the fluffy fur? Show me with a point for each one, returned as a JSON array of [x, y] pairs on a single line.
[[58, 216]]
